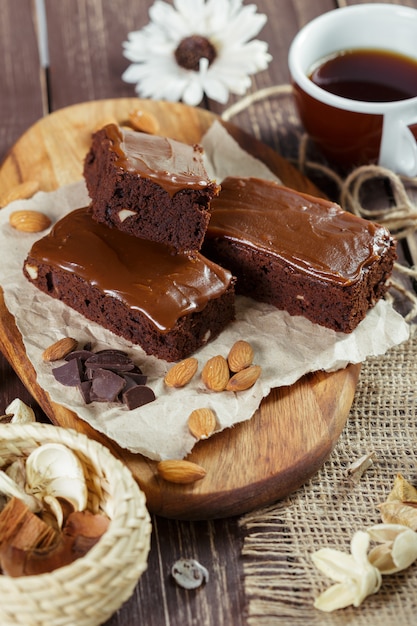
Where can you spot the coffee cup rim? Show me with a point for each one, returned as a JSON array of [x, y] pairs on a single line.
[[299, 76]]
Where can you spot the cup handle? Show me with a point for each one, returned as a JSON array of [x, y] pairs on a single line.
[[398, 151]]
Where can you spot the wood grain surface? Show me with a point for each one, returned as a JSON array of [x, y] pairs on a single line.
[[296, 427]]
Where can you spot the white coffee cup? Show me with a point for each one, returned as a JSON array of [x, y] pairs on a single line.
[[352, 132]]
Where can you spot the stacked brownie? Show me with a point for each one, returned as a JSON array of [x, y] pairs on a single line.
[[131, 261], [149, 186]]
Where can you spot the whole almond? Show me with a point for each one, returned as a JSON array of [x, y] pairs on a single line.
[[59, 349], [240, 356], [181, 373], [143, 121], [29, 221], [202, 423], [180, 471], [20, 192], [244, 379], [104, 121], [215, 373]]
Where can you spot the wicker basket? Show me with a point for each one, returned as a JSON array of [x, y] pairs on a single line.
[[89, 590]]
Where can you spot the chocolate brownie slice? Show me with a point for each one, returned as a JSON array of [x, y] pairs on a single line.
[[170, 304], [300, 253], [149, 186]]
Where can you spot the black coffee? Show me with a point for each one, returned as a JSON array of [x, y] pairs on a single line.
[[367, 75]]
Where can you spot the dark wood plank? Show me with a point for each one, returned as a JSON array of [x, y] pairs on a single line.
[[85, 48], [21, 104], [21, 100]]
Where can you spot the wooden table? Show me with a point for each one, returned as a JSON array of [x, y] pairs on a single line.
[[86, 63]]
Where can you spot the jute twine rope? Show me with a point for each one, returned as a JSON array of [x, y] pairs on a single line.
[[400, 217]]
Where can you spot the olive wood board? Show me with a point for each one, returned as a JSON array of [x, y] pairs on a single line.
[[295, 429]]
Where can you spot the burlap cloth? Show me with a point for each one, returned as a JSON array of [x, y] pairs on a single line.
[[280, 580]]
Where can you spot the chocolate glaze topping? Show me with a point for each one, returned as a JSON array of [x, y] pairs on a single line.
[[313, 234], [146, 276], [171, 164]]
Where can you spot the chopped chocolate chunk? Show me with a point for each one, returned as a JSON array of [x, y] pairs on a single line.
[[113, 361], [112, 351], [138, 396], [70, 374], [107, 375], [106, 385], [85, 388], [83, 355], [135, 378]]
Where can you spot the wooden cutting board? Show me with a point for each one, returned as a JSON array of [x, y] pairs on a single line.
[[295, 428]]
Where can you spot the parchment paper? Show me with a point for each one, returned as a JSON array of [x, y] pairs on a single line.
[[285, 347]]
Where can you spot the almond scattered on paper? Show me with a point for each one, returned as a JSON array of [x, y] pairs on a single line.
[[245, 379], [215, 373], [240, 356], [181, 373], [29, 221], [202, 423], [60, 349]]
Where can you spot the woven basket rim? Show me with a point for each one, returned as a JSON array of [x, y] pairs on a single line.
[[133, 520]]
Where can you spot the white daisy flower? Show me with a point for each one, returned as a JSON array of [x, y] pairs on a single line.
[[196, 47]]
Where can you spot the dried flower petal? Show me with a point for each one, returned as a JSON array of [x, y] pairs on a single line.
[[398, 549], [396, 512], [402, 490], [356, 469], [9, 488], [22, 413], [334, 564], [357, 578], [53, 469]]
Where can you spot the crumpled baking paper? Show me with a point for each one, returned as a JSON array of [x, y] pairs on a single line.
[[285, 347]]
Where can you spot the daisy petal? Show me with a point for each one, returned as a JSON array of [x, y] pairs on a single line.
[[228, 26], [193, 93]]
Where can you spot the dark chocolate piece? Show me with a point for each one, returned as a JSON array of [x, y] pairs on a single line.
[[83, 355], [138, 396], [85, 388], [106, 386], [135, 378], [107, 375], [70, 374], [117, 362]]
